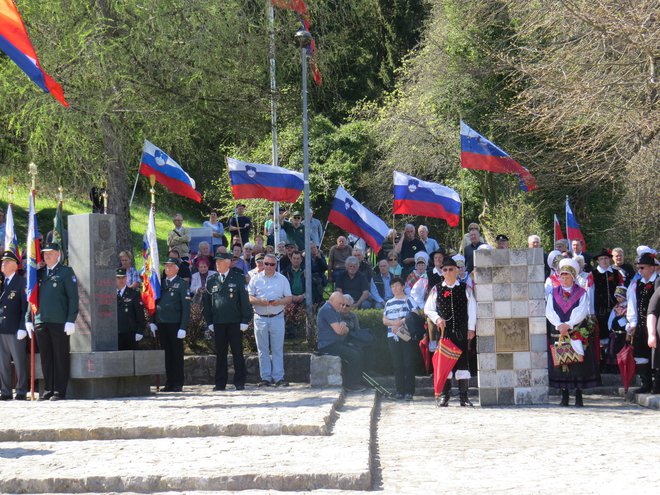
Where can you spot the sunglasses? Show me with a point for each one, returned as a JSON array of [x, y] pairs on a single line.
[[270, 264], [297, 218], [394, 259]]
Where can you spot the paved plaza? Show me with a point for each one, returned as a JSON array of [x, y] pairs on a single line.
[[323, 441]]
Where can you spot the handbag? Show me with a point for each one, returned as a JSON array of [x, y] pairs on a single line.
[[415, 324], [563, 353]]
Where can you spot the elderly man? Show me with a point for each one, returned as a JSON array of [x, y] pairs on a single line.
[[533, 241], [363, 266], [337, 258], [381, 292], [269, 294], [259, 266], [561, 245], [430, 244], [295, 230], [474, 244], [355, 284], [332, 333], [179, 237], [13, 306], [407, 247]]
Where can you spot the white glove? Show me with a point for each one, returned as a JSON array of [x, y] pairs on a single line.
[[138, 337], [21, 334], [29, 326], [153, 328], [69, 328], [244, 327], [211, 327], [181, 334]]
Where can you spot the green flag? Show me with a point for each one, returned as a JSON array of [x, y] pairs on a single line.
[[58, 235]]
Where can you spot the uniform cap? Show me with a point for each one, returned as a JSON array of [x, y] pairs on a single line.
[[51, 246], [9, 255], [173, 261], [121, 272], [223, 256]]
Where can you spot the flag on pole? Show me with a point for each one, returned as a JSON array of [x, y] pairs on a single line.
[[413, 196], [151, 269], [255, 180], [10, 240], [573, 232], [479, 153], [15, 42], [558, 233], [168, 172], [348, 214], [58, 235], [33, 257]]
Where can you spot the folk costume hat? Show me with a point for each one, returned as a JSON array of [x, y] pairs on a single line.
[[604, 252], [620, 291], [450, 262], [648, 259], [459, 259], [569, 266], [421, 255], [552, 256]]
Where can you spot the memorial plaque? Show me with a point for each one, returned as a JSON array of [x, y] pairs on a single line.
[[512, 335]]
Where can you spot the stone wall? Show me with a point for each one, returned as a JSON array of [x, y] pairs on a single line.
[[511, 326]]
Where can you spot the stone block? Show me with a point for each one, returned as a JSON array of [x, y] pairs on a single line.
[[325, 371], [501, 292], [483, 258], [540, 360], [504, 361], [535, 256], [502, 309], [522, 361], [487, 379], [502, 275], [537, 325], [506, 378], [102, 364], [149, 362], [519, 274], [536, 290], [539, 343], [486, 344], [540, 395], [487, 361], [535, 273], [523, 396], [537, 308], [99, 388], [485, 327], [484, 310], [519, 309], [512, 335], [500, 257], [488, 396], [523, 378], [539, 378], [518, 256], [484, 292], [505, 396], [483, 275], [519, 292]]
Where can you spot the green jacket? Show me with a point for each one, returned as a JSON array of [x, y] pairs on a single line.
[[293, 234], [130, 312], [174, 303], [58, 296], [226, 302]]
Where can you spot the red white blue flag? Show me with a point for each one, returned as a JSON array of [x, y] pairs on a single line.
[[10, 240], [558, 233], [33, 257], [255, 180], [413, 196], [168, 172], [479, 153], [573, 232], [151, 269], [15, 42], [348, 214]]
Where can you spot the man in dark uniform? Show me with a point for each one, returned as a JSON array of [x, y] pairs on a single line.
[[13, 306], [172, 316], [227, 312], [130, 314], [54, 321]]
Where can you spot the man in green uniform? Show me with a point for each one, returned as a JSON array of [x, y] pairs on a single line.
[[172, 316], [295, 230], [54, 321], [130, 314], [227, 312]]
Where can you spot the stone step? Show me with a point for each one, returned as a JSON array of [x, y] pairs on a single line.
[[339, 461], [652, 401]]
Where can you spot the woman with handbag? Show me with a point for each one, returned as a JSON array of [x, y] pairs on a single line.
[[573, 358]]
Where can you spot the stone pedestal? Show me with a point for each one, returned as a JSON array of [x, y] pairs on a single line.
[[511, 347], [325, 371]]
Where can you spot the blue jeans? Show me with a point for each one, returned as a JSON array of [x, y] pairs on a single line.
[[269, 333]]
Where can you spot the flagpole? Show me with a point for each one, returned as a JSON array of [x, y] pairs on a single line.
[[570, 244], [323, 234], [273, 117], [134, 187], [152, 211], [32, 170], [462, 233]]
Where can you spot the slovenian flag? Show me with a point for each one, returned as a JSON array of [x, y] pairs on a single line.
[[33, 257], [348, 214], [573, 232], [558, 233], [413, 196], [15, 42], [151, 269], [254, 180], [168, 172], [10, 240], [479, 153]]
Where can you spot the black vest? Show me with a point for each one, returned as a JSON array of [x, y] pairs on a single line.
[[452, 306], [604, 286]]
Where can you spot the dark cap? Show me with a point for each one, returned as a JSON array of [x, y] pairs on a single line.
[[296, 214], [173, 261], [223, 256], [9, 255], [440, 250], [647, 259], [259, 257], [604, 252], [121, 272], [450, 262], [51, 246], [501, 237]]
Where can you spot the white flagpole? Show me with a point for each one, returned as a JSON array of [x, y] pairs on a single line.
[[134, 187], [273, 116]]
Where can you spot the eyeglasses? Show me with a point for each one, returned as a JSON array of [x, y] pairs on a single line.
[[270, 264], [296, 218], [394, 259], [345, 305]]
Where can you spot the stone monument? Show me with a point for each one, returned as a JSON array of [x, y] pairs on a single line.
[[511, 345]]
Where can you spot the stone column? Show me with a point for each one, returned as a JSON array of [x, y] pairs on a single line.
[[512, 348]]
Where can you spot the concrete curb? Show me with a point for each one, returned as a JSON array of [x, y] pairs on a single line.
[[649, 401]]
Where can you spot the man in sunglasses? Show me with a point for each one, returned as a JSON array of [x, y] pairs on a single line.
[[295, 230]]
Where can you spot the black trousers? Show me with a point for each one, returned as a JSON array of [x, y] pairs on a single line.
[[229, 335], [352, 360], [54, 351], [403, 359], [126, 341], [173, 348]]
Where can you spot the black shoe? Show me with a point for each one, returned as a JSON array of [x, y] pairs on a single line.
[[56, 398], [5, 397], [20, 397], [240, 387], [281, 383], [564, 397], [166, 388], [397, 396], [656, 385], [463, 393], [578, 398], [264, 383], [46, 396], [218, 389], [177, 389], [355, 388]]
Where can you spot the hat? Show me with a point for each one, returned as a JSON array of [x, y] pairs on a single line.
[[501, 237], [9, 255], [223, 256], [645, 249], [450, 262], [570, 266], [459, 259], [423, 256], [51, 246], [620, 291], [173, 261], [552, 256], [647, 259], [296, 214], [440, 250], [121, 272], [259, 257], [604, 252]]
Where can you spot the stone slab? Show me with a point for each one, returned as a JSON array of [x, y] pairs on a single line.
[[149, 362], [97, 388], [325, 371]]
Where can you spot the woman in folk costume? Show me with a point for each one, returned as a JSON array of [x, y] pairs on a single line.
[[421, 260], [554, 257], [618, 326], [567, 310]]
